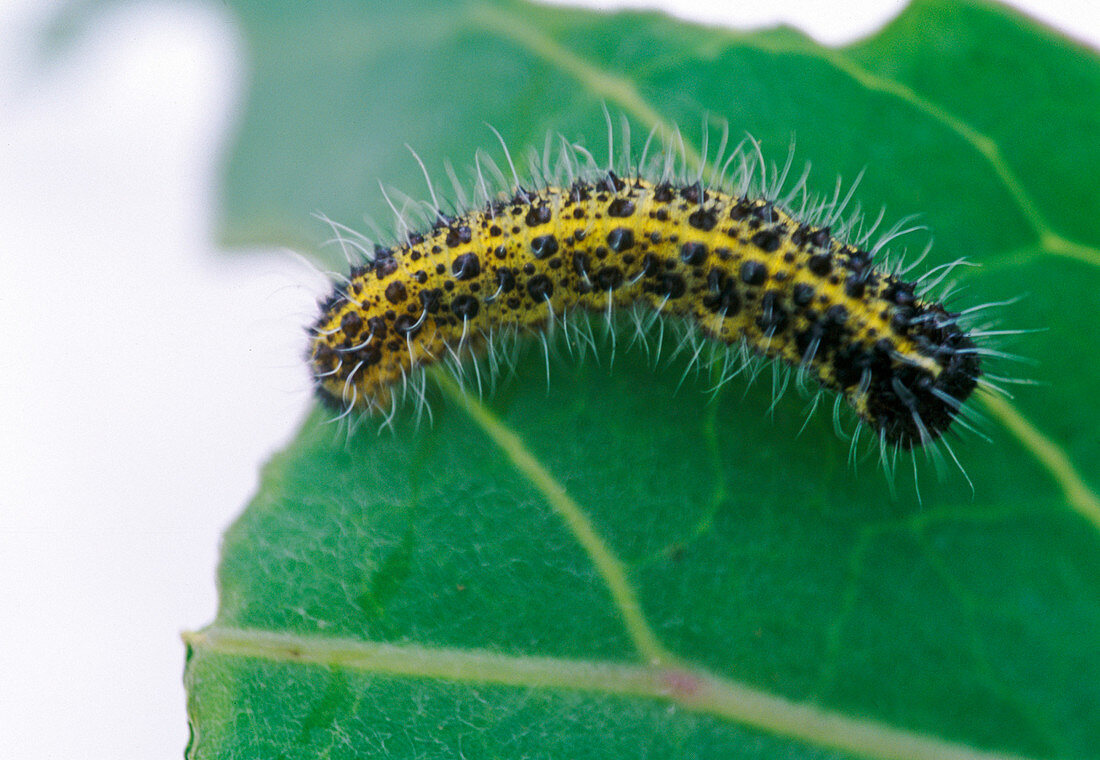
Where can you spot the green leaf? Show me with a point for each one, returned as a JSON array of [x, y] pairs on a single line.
[[617, 565]]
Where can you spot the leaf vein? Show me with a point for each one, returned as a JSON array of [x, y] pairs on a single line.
[[1050, 455], [607, 564], [614, 89], [694, 689], [987, 147]]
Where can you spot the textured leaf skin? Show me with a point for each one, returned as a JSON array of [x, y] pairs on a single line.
[[756, 554]]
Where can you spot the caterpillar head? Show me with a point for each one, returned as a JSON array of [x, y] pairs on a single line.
[[919, 395]]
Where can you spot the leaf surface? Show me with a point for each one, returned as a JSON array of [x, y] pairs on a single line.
[[615, 564]]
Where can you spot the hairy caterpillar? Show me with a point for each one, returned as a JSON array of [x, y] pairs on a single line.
[[733, 258]]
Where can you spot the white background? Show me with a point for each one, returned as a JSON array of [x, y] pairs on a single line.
[[144, 377]]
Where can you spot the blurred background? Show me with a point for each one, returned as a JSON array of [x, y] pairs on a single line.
[[146, 376]]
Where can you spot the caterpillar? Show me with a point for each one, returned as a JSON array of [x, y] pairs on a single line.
[[734, 259]]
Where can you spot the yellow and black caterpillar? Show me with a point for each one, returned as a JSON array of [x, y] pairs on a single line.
[[737, 265]]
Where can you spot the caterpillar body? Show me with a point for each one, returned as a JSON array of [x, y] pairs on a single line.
[[734, 260]]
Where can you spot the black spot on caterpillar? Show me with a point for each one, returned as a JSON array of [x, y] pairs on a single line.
[[734, 259]]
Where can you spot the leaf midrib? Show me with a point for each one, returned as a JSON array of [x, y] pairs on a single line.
[[691, 688]]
